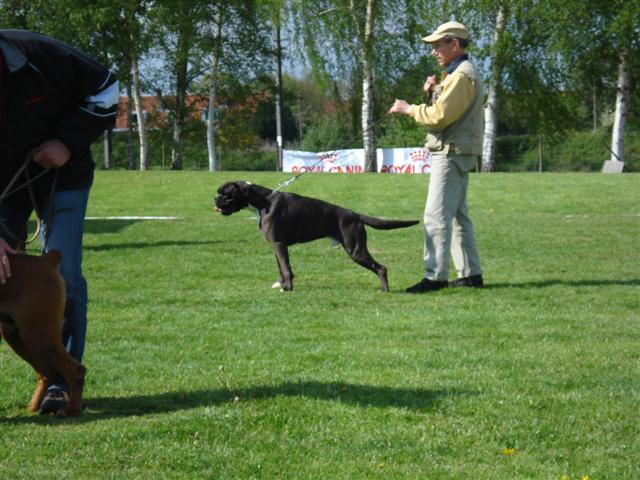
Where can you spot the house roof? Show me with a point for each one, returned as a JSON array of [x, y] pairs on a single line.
[[156, 111]]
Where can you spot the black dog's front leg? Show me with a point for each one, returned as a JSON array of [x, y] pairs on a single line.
[[282, 256]]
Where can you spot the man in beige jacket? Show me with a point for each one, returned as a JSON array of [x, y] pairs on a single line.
[[454, 118]]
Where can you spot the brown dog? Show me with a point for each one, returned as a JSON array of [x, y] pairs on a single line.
[[32, 305]]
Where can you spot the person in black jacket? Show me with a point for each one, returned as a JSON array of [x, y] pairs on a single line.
[[55, 101]]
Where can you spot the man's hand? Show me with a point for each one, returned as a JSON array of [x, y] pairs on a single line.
[[430, 84], [52, 154], [5, 269], [400, 106]]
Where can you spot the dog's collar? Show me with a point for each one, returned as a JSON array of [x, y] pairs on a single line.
[[259, 218]]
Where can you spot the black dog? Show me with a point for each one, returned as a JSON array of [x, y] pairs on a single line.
[[286, 218]]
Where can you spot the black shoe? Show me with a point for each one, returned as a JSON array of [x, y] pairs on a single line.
[[54, 400], [474, 281], [426, 285]]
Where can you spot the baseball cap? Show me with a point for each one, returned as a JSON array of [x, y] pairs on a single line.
[[453, 29]]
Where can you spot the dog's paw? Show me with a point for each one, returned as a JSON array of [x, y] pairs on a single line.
[[277, 285]]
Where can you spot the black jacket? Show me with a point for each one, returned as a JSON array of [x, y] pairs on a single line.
[[50, 90]]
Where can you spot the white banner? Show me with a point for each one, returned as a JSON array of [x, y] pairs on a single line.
[[338, 161], [389, 160], [404, 160]]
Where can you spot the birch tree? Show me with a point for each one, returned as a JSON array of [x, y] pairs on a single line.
[[369, 41], [128, 42], [500, 35], [620, 116], [133, 32], [230, 40], [626, 29], [608, 58], [216, 52], [141, 124], [277, 26], [176, 27], [365, 33], [491, 107]]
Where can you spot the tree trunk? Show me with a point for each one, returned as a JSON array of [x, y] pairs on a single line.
[[491, 109], [108, 144], [176, 149], [366, 55], [142, 129], [213, 87], [131, 150], [278, 98], [181, 88], [594, 108], [620, 119]]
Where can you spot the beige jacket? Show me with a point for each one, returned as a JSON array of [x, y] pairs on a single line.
[[455, 119]]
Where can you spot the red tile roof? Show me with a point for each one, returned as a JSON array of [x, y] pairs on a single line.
[[156, 115]]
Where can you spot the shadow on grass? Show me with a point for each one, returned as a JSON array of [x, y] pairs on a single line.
[[107, 225], [139, 245], [569, 283], [97, 226], [362, 395]]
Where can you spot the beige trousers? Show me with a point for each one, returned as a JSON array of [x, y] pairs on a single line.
[[447, 226]]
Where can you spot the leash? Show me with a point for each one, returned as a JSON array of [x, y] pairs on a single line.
[[611, 150], [7, 192], [286, 183]]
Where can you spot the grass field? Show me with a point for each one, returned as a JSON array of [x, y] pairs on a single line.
[[198, 369]]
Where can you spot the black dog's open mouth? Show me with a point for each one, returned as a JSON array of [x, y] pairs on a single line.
[[224, 207], [224, 212]]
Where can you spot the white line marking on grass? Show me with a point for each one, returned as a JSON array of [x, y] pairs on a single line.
[[144, 217]]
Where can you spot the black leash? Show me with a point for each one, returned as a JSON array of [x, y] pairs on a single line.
[[611, 150], [28, 184]]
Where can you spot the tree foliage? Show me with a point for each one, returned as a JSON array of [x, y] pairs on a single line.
[[560, 59]]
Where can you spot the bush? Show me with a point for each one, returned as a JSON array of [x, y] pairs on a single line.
[[195, 157], [581, 152], [573, 152], [332, 132], [402, 132], [259, 160], [510, 149]]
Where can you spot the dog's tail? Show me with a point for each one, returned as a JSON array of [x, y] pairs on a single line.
[[382, 224], [54, 257]]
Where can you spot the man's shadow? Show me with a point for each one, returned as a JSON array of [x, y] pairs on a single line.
[[571, 283], [103, 408]]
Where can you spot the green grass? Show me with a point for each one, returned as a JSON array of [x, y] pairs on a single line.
[[198, 369]]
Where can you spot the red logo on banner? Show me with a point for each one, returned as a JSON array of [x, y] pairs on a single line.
[[417, 161], [305, 168], [419, 155], [329, 157]]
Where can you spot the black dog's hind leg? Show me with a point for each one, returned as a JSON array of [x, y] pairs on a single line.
[[282, 256], [356, 247], [280, 281]]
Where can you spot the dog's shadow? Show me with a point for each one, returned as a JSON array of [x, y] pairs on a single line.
[[103, 408]]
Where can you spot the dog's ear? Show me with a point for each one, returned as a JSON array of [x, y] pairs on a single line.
[[245, 188], [255, 195], [54, 257]]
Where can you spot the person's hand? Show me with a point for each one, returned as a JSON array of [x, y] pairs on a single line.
[[430, 84], [399, 106], [52, 154], [5, 268]]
